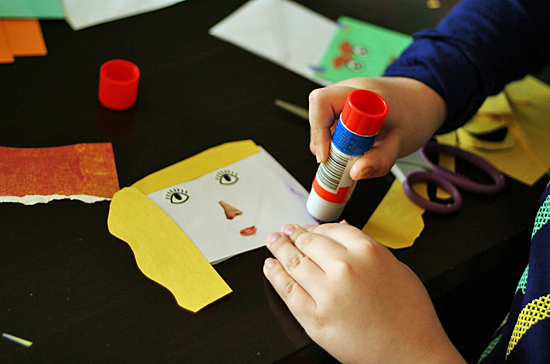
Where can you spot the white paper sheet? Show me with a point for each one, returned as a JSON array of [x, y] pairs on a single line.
[[281, 31], [85, 13], [266, 194]]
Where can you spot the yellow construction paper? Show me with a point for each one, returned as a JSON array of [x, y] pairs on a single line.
[[524, 154], [495, 105], [163, 251], [196, 166], [397, 221], [528, 158]]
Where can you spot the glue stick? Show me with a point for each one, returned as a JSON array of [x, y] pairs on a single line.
[[357, 127]]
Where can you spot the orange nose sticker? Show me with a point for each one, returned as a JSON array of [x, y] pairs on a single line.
[[230, 211]]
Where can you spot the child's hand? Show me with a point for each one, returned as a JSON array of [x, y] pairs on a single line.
[[354, 298], [415, 113]]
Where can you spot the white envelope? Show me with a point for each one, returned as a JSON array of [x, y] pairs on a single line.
[[85, 13], [281, 31]]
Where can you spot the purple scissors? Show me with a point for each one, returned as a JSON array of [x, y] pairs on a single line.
[[444, 178]]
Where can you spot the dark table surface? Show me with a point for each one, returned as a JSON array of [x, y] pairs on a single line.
[[75, 291]]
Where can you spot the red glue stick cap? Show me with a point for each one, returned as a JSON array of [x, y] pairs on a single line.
[[118, 84], [364, 112]]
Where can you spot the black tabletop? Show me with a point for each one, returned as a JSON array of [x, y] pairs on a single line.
[[76, 292]]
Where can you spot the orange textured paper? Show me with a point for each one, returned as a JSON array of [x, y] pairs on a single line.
[[81, 169], [25, 37]]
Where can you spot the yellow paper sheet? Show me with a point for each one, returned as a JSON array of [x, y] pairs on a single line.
[[397, 221], [163, 251]]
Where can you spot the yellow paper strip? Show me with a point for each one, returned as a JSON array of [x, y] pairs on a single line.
[[196, 166], [163, 251]]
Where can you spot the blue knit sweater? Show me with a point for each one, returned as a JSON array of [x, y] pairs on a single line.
[[474, 52]]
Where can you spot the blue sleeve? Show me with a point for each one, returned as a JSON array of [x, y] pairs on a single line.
[[479, 47]]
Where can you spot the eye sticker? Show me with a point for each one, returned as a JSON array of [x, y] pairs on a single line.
[[360, 50], [227, 177], [355, 65], [177, 195]]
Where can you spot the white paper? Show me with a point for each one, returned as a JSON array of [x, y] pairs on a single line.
[[268, 196], [34, 199], [281, 31], [85, 13]]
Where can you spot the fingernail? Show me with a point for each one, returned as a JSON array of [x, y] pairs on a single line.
[[273, 236], [289, 229], [269, 263], [365, 173]]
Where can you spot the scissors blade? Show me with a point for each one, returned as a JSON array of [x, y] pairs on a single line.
[[411, 163]]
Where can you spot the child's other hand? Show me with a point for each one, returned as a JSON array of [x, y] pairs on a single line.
[[354, 298]]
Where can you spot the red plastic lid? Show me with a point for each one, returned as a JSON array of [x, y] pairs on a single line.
[[118, 84], [364, 112]]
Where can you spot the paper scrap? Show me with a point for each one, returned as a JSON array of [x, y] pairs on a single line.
[[83, 13], [283, 32], [16, 339], [25, 37], [397, 221], [42, 9], [85, 172], [525, 152], [6, 55]]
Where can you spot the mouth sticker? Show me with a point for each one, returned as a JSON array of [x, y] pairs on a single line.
[[249, 231]]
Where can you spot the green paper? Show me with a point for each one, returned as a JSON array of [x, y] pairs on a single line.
[[360, 49], [42, 9]]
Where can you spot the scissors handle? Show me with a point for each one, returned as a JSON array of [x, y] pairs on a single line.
[[420, 176], [458, 180]]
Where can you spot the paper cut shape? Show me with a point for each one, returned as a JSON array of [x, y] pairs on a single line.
[[85, 172], [524, 109], [283, 32], [396, 210], [20, 37], [163, 252], [42, 9], [360, 49], [83, 13], [198, 229]]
